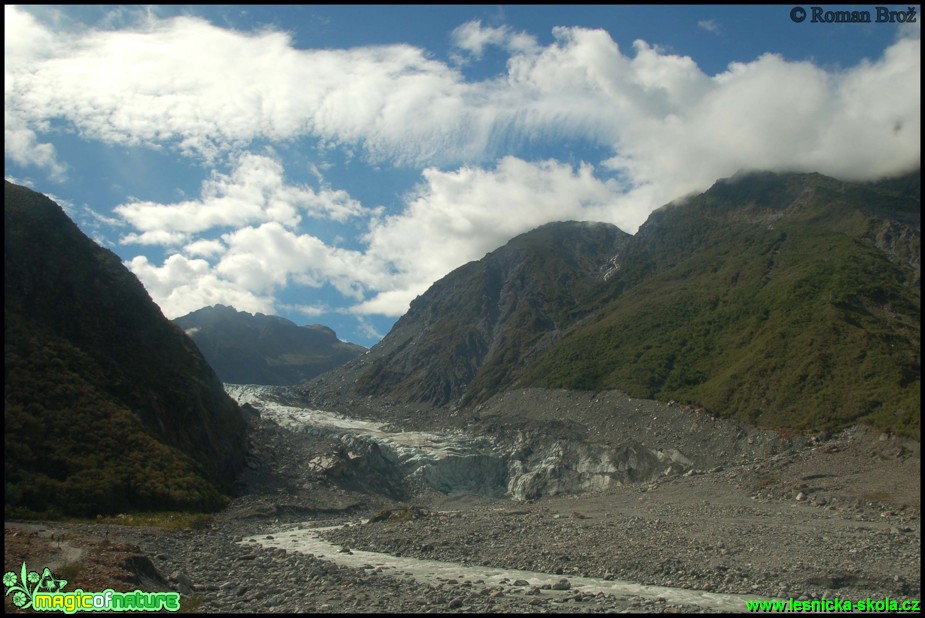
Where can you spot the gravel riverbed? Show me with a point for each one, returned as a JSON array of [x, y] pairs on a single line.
[[833, 517]]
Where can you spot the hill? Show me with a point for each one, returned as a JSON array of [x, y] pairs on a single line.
[[474, 331], [108, 407], [785, 300], [259, 349]]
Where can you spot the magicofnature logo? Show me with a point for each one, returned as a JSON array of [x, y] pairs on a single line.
[[43, 593], [24, 586]]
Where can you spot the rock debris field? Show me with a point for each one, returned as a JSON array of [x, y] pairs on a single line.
[[749, 515]]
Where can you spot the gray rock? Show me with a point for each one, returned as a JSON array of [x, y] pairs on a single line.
[[562, 584]]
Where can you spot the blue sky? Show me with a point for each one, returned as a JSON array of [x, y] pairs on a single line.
[[329, 163]]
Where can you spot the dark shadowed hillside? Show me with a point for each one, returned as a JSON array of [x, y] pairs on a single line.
[[108, 407], [787, 300], [263, 349]]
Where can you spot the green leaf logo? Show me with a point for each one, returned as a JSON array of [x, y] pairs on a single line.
[[27, 583]]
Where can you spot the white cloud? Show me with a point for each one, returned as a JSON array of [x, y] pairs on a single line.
[[209, 90], [254, 192], [25, 182], [249, 264], [369, 329], [875, 117], [456, 217], [264, 250], [312, 311], [452, 218], [709, 25], [472, 38], [204, 248], [24, 38], [182, 286], [21, 144]]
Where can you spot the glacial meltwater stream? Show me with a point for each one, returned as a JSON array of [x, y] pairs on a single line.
[[452, 460], [305, 539]]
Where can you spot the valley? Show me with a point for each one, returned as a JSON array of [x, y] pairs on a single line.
[[722, 407], [835, 515]]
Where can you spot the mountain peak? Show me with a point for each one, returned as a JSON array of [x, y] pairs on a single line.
[[476, 329], [246, 348]]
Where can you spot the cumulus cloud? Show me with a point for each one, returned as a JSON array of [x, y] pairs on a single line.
[[254, 192], [25, 43], [21, 144], [208, 90], [182, 285], [204, 248], [186, 83], [472, 37], [455, 217], [269, 256], [450, 219]]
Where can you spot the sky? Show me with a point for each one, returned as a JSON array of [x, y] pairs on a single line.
[[329, 163]]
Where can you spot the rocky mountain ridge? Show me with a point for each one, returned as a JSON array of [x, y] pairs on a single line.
[[472, 333], [246, 348], [765, 293]]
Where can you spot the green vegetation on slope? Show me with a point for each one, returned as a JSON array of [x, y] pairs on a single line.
[[71, 449], [765, 299], [108, 406]]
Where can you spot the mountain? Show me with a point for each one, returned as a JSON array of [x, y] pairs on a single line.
[[474, 331], [785, 300], [108, 407], [262, 349]]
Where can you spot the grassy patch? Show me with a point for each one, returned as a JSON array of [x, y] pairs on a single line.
[[876, 496], [191, 605], [70, 572], [167, 520]]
